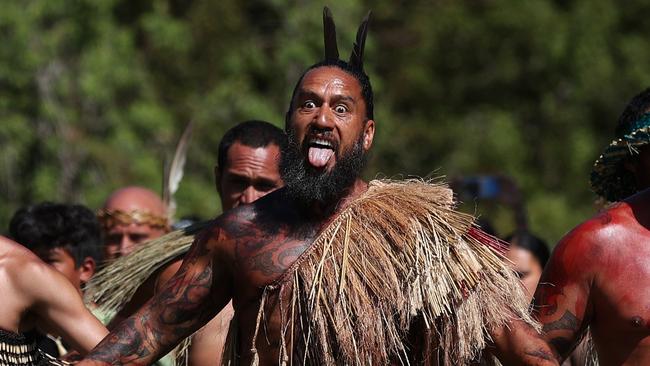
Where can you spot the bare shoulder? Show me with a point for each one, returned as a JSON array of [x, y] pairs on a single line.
[[244, 222], [18, 264], [21, 276], [591, 242]]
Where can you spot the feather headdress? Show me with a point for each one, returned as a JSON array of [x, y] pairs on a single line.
[[331, 48], [174, 174]]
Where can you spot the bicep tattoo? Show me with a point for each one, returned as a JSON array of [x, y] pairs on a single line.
[[569, 327]]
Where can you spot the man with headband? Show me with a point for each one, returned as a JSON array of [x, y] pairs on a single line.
[[597, 274], [332, 270], [130, 216]]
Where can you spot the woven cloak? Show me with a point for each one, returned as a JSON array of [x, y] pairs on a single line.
[[396, 256]]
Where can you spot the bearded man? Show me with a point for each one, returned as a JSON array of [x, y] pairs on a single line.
[[333, 270]]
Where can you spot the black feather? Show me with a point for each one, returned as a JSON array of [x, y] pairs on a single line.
[[329, 30], [356, 58]]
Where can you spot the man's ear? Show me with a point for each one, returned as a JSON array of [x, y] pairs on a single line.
[[87, 269], [368, 134], [217, 179]]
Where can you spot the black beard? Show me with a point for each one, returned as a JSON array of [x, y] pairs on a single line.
[[307, 185]]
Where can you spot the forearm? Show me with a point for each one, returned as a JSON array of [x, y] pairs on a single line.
[[60, 310], [145, 337], [184, 306], [187, 302], [520, 344], [126, 345]]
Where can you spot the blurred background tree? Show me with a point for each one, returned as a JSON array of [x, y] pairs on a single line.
[[95, 93]]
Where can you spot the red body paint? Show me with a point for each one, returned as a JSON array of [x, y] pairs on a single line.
[[597, 277]]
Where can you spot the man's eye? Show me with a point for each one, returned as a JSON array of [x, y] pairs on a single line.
[[265, 187], [340, 109], [238, 182], [309, 104], [138, 238], [111, 239]]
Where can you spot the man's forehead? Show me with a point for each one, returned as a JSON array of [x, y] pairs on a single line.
[[132, 228], [239, 150], [243, 157], [322, 79]]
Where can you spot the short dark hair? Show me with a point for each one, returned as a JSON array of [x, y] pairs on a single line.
[[637, 107], [251, 133], [359, 75], [536, 246], [55, 225]]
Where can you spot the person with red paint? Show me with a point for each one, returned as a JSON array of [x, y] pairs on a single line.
[[597, 274]]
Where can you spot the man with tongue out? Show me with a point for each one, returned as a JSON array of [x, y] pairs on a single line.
[[331, 270], [330, 130]]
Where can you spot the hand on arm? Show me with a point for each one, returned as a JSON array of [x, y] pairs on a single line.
[[192, 297]]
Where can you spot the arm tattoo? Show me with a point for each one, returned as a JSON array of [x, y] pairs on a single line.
[[567, 322], [123, 341], [176, 312], [562, 344]]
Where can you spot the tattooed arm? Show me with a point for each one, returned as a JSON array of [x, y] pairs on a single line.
[[193, 296], [562, 302]]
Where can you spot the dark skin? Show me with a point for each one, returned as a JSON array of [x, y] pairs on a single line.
[[596, 278], [255, 244]]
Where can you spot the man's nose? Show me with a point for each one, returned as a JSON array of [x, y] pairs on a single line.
[[249, 195], [324, 119], [126, 245]]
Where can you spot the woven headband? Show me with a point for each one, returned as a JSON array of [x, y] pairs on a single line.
[[111, 218]]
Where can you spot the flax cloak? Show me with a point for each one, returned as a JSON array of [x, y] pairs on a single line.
[[398, 253]]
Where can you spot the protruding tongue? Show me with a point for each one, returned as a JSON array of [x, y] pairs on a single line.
[[319, 157]]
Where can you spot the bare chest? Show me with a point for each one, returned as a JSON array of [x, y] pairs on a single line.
[[621, 299], [264, 258]]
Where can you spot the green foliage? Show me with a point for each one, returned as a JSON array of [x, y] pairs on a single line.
[[95, 93]]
